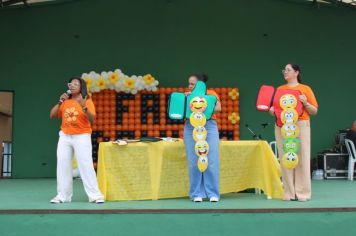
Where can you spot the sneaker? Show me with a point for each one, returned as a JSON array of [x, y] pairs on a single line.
[[98, 201], [56, 200], [197, 199], [214, 199]]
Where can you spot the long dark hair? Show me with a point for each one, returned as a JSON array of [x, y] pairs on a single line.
[[201, 77], [297, 68], [83, 86]]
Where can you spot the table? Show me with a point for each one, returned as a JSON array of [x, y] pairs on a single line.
[[140, 171]]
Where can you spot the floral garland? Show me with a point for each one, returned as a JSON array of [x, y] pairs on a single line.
[[118, 81]]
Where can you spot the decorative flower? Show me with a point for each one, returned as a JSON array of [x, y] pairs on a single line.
[[234, 94], [129, 85], [148, 79], [234, 118], [71, 114], [88, 80], [150, 83], [101, 83]]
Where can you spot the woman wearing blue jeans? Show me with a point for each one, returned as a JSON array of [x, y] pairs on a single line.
[[203, 184]]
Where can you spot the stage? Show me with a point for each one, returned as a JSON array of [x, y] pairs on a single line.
[[33, 195], [25, 207]]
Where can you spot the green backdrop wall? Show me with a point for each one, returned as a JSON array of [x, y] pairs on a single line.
[[237, 43]]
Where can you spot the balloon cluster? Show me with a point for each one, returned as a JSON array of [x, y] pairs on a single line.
[[198, 120], [290, 131]]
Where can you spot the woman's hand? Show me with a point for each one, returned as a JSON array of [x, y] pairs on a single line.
[[303, 99], [187, 93], [63, 97], [271, 111], [81, 100]]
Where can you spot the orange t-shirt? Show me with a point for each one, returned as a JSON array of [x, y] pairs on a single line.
[[74, 120], [308, 92], [212, 92]]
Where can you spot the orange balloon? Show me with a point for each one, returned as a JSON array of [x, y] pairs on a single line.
[[106, 115], [125, 127], [137, 133], [99, 109], [150, 127], [106, 109], [150, 121], [174, 127], [99, 121], [112, 115], [131, 127]]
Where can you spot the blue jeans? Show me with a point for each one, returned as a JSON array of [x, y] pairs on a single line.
[[204, 184]]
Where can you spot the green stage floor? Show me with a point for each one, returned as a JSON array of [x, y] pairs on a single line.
[[34, 194], [25, 210]]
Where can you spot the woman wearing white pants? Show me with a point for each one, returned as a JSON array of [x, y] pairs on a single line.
[[77, 112]]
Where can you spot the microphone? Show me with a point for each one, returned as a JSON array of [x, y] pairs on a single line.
[[68, 92]]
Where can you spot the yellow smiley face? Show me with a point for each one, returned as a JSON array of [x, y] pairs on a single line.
[[199, 133], [202, 163], [288, 101], [201, 148], [289, 115], [290, 131], [289, 160], [197, 119], [198, 104]]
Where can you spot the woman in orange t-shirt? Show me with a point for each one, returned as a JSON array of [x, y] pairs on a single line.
[[77, 112], [297, 182]]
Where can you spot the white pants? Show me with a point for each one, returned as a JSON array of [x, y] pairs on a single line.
[[80, 144]]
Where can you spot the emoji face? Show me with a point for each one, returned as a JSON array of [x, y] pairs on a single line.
[[199, 133], [197, 119], [198, 104], [290, 131], [288, 101], [291, 145], [202, 163], [202, 148], [290, 160], [289, 115]]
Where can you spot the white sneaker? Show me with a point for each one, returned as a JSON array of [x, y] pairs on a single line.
[[56, 200], [197, 199], [214, 199], [98, 201]]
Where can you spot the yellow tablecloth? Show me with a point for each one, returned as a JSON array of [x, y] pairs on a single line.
[[157, 170]]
